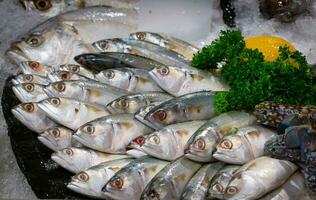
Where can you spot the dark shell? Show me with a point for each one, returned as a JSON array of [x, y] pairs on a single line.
[[47, 180]]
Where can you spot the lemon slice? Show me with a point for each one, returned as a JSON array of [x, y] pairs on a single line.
[[268, 46]]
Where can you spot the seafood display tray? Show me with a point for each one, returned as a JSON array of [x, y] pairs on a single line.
[[46, 178]]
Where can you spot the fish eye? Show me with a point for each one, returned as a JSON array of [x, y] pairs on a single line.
[[33, 65], [54, 132], [231, 190], [29, 87], [139, 140], [104, 45], [83, 176], [140, 35], [109, 74], [155, 139], [59, 86], [218, 187], [42, 5], [28, 77], [199, 144], [282, 3], [226, 144], [28, 107], [123, 103], [88, 129], [64, 75], [35, 40], [117, 183], [55, 101], [164, 71], [75, 68], [68, 151], [160, 115]]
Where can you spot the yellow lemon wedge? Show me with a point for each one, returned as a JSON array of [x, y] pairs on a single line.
[[268, 46]]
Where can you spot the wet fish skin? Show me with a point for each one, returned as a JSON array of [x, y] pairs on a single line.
[[168, 143], [259, 177], [111, 133], [181, 47], [30, 78], [56, 76], [30, 115], [29, 92], [294, 188], [71, 113], [134, 148], [57, 138], [90, 181], [197, 187], [202, 144], [221, 180], [132, 103], [130, 79], [35, 68], [47, 42], [179, 81], [85, 91], [76, 159], [77, 69], [170, 182], [141, 48], [130, 181], [189, 107], [140, 115], [247, 144]]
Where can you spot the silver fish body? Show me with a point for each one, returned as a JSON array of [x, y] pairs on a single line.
[[181, 47], [101, 61], [130, 79], [57, 138], [77, 69], [35, 68], [130, 181], [197, 187], [76, 159], [202, 144], [32, 117], [71, 113], [90, 181], [141, 48], [179, 81], [29, 92], [132, 103], [244, 146], [140, 115], [85, 91], [168, 143], [112, 133], [189, 107], [221, 180], [170, 182], [258, 177], [65, 75], [71, 31], [294, 188], [30, 78]]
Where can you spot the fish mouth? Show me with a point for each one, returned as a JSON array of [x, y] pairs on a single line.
[[223, 156], [15, 81], [17, 114], [74, 186], [18, 93], [135, 153], [16, 54], [43, 138], [63, 162]]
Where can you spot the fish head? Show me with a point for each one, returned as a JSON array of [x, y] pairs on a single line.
[[75, 69], [56, 138], [27, 113], [146, 36], [73, 159], [127, 104], [32, 67], [232, 149], [90, 181], [23, 78], [134, 147], [47, 8], [62, 76], [123, 184], [202, 144], [110, 45], [169, 78], [243, 186], [161, 144], [96, 135], [46, 44], [67, 89], [27, 92], [117, 78]]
